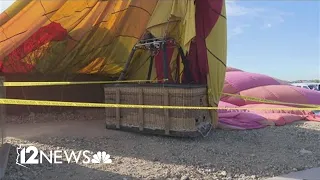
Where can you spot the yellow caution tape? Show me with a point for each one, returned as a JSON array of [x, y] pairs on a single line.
[[270, 101], [103, 105], [18, 84]]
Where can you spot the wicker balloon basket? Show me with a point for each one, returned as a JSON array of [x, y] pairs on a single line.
[[171, 122]]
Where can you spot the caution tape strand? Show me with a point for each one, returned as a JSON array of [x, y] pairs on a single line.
[[19, 84], [103, 105]]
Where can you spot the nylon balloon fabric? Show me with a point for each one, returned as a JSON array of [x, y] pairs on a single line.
[[263, 87], [97, 37], [69, 36]]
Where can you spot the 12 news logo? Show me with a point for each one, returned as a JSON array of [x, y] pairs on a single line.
[[57, 156]]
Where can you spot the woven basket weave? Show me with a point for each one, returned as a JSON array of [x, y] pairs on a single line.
[[174, 122]]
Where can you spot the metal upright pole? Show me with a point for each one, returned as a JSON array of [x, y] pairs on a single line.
[[165, 62], [123, 73], [150, 67], [2, 110], [186, 65]]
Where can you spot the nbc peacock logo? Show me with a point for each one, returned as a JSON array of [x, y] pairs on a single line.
[[101, 157]]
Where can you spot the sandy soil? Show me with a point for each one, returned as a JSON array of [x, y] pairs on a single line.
[[254, 154]]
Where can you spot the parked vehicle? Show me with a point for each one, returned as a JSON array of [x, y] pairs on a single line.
[[311, 86]]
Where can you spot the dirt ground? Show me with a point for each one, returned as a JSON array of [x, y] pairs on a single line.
[[254, 154]]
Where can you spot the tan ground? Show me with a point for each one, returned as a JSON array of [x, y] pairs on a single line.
[[254, 154]]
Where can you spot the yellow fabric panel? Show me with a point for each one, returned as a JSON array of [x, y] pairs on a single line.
[[106, 59], [112, 52], [178, 9], [73, 13], [98, 65], [16, 7], [25, 23], [175, 18], [181, 71], [94, 66], [4, 18], [50, 56], [185, 11], [32, 58], [83, 26], [139, 67], [160, 16], [118, 52], [120, 32], [13, 10], [113, 13], [217, 48], [173, 64], [162, 22]]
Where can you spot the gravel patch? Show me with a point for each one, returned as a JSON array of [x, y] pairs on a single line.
[[240, 155], [75, 115]]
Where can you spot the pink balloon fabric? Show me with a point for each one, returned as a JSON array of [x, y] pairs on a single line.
[[232, 69], [223, 104], [237, 81], [241, 120], [262, 87], [244, 80]]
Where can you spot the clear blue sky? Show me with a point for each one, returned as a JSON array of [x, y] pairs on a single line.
[[279, 38]]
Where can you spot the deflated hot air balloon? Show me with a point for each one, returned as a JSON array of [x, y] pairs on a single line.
[[186, 40], [97, 37], [264, 89]]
